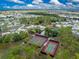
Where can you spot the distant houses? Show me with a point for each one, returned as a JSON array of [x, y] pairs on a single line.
[[63, 24], [75, 29], [10, 21]]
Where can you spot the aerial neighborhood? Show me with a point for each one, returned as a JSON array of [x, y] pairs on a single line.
[[39, 34]]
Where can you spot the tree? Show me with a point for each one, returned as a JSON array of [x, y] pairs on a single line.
[[69, 44], [7, 38], [1, 40], [51, 32], [25, 36], [13, 53], [16, 37], [24, 20]]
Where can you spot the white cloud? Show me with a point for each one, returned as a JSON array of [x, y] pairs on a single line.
[[17, 1], [37, 1], [75, 0], [29, 5], [6, 7], [56, 2], [18, 7], [69, 5], [38, 4]]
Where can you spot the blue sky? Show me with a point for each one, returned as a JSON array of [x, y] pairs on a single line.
[[39, 4]]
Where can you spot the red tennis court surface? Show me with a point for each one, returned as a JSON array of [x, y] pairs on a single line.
[[38, 40], [50, 47]]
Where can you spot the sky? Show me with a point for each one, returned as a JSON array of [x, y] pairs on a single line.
[[39, 4]]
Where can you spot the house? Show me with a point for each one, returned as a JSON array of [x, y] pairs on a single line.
[[36, 26], [75, 30]]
